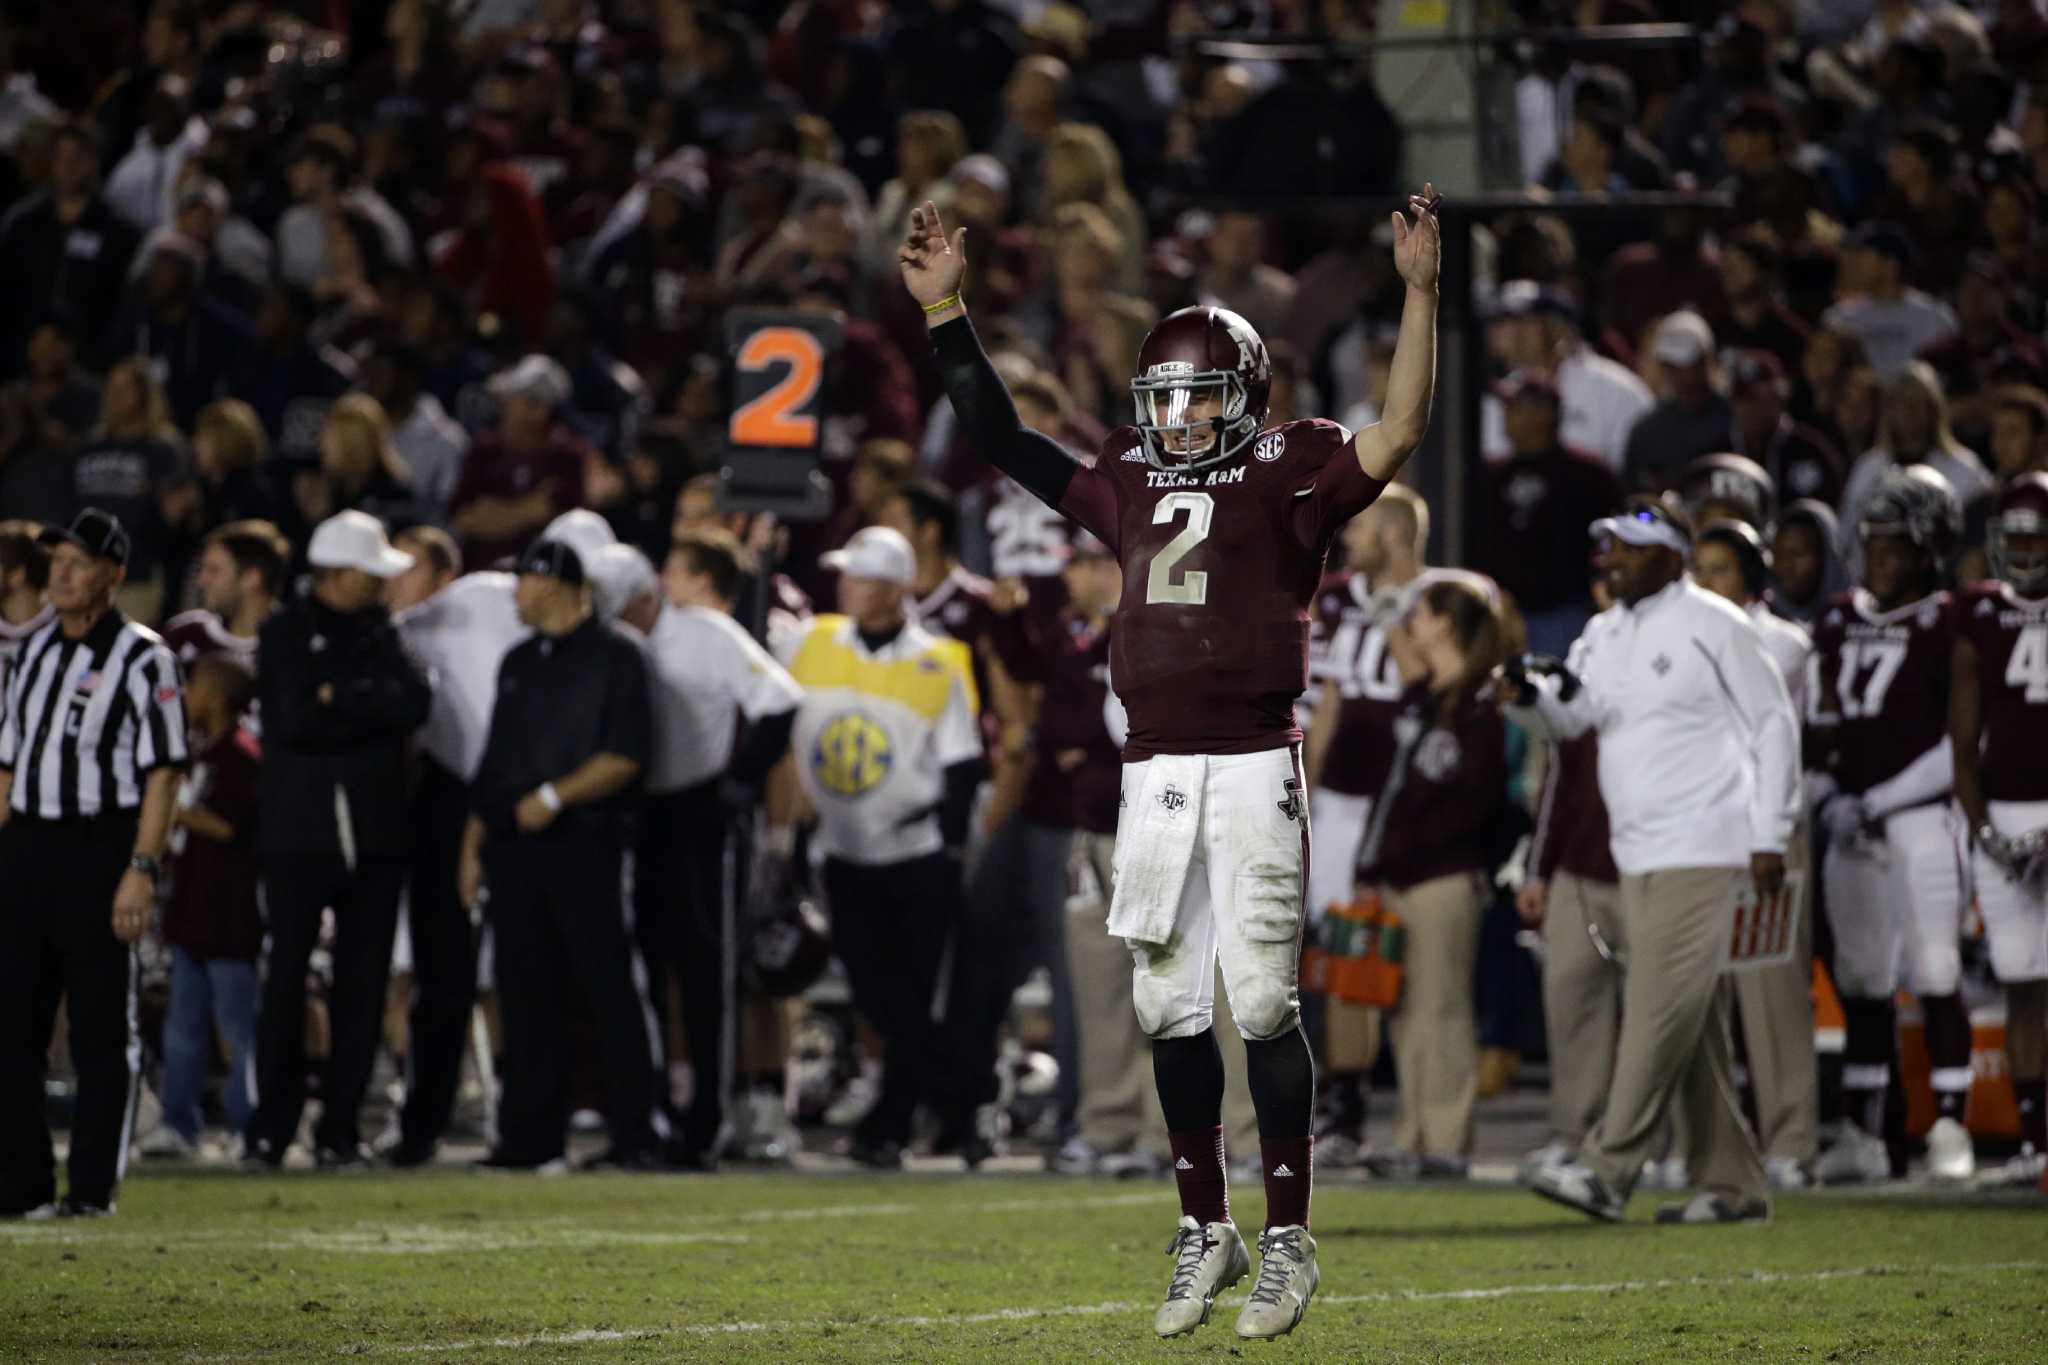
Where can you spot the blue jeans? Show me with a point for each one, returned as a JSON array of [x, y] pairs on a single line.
[[223, 991]]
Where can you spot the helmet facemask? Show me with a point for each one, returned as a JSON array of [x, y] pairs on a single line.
[[1167, 395], [2018, 548]]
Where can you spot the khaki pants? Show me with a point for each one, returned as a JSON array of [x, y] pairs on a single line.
[[1119, 1109], [1435, 1032], [1674, 1036], [1776, 1007], [1581, 1001]]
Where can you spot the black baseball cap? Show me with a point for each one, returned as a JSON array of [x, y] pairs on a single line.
[[98, 533], [556, 559]]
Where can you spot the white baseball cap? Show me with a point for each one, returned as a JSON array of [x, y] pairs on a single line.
[[536, 377], [1642, 524], [356, 540], [1683, 338], [582, 528], [618, 574], [875, 552]]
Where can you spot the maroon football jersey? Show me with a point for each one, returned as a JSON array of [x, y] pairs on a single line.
[[2011, 636], [1084, 793], [1210, 644], [1883, 683], [1355, 657]]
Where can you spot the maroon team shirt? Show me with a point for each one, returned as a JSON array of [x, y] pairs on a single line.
[[2011, 636], [1073, 667], [211, 911], [197, 634], [1447, 785], [1210, 646], [1355, 657], [1883, 685], [1571, 821]]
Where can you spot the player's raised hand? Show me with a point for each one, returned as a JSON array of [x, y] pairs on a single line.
[[1418, 245], [932, 262]]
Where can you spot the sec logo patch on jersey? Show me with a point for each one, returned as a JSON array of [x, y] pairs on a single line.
[[1271, 447], [852, 755]]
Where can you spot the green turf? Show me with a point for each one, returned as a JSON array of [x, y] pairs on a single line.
[[455, 1266]]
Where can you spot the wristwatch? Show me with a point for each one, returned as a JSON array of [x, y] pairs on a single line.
[[146, 865]]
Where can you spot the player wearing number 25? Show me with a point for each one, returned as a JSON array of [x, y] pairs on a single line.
[[1221, 527]]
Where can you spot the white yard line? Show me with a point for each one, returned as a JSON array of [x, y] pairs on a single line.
[[1746, 1280]]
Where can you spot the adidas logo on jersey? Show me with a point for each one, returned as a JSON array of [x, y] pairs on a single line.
[[1282, 1170], [1183, 1165], [1133, 456]]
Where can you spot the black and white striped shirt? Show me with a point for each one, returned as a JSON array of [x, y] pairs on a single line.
[[87, 720]]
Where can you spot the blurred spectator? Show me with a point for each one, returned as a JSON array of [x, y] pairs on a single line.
[[141, 185], [1894, 322], [133, 461], [24, 574], [1098, 329], [1739, 63], [1799, 459], [1237, 277], [359, 467], [2012, 234], [954, 54], [1082, 166], [194, 340], [929, 145], [1989, 348], [211, 921], [1924, 195], [1858, 404], [1428, 851], [287, 376], [1913, 428], [237, 255], [1807, 571], [240, 580], [1677, 270], [1757, 316], [43, 414], [1534, 328], [1538, 503], [2018, 445], [607, 400], [1008, 264], [319, 171], [230, 468], [501, 254], [650, 263], [1691, 417], [63, 250], [1032, 99], [521, 473], [429, 443]]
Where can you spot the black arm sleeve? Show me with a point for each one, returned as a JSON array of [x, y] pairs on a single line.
[[989, 418], [762, 747], [956, 807]]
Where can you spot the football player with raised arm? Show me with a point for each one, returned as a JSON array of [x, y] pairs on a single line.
[[1221, 527]]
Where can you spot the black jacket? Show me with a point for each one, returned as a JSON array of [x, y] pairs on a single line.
[[354, 741]]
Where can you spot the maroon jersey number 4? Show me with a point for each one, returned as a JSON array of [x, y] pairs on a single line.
[[1209, 648]]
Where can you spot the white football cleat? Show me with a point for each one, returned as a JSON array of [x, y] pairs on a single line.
[[1951, 1155], [2022, 1171], [1786, 1173], [1206, 1261], [1552, 1153], [1856, 1156], [1287, 1281]]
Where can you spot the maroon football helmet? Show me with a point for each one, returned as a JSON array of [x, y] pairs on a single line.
[[2018, 542], [1737, 485], [1197, 354]]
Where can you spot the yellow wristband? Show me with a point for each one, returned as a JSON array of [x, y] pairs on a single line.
[[950, 301]]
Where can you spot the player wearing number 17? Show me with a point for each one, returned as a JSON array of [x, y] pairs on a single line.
[[1221, 527]]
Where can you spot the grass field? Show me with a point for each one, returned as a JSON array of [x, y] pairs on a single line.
[[457, 1266]]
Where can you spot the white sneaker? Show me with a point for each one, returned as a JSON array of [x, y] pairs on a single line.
[[1784, 1173], [1206, 1261], [1856, 1156], [1551, 1153], [2022, 1171], [1132, 1166], [762, 1131], [1076, 1156], [167, 1144], [854, 1102], [1287, 1281], [1336, 1150], [1951, 1155]]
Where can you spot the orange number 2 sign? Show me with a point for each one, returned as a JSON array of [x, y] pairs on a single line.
[[777, 417]]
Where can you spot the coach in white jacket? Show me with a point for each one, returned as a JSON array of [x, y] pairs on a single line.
[[1699, 767]]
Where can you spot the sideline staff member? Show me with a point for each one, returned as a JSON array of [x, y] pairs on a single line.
[[552, 800], [1699, 766], [888, 748], [90, 745]]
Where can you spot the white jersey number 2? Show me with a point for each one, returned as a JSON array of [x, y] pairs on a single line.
[[1193, 588]]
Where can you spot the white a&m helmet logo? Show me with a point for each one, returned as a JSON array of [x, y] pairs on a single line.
[[1271, 447]]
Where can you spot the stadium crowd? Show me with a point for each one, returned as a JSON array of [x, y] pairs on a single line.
[[464, 270]]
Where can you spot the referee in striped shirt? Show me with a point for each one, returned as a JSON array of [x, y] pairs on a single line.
[[90, 747]]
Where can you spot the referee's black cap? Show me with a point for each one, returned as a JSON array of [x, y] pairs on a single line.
[[556, 559], [94, 531]]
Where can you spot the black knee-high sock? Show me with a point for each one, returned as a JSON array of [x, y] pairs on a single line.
[[1282, 1073], [1866, 1057], [2026, 1046], [1948, 1052], [1189, 1074]]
